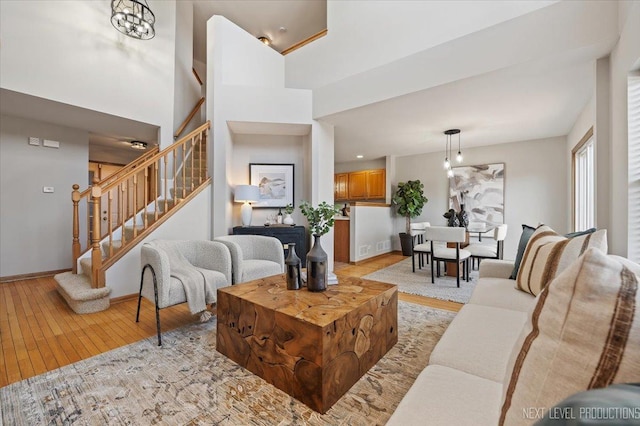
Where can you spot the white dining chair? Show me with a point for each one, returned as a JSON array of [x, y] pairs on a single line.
[[456, 255]]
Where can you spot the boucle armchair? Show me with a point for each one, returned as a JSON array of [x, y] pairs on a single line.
[[158, 285], [254, 256]]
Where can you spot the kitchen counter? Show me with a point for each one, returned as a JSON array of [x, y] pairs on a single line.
[[366, 204], [341, 218]]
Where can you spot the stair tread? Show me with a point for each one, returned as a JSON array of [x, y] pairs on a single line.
[[78, 287]]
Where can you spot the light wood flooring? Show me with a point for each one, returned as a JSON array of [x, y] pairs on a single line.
[[39, 332]]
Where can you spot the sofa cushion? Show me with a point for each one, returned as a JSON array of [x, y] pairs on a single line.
[[479, 341], [444, 396], [585, 334], [499, 293], [527, 232], [548, 254]]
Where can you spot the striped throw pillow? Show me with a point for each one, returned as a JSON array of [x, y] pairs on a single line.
[[548, 254], [584, 334]]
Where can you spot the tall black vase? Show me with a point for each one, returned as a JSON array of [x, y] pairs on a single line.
[[317, 273]]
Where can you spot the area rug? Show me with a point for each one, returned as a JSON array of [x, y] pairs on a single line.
[[186, 382], [420, 282]]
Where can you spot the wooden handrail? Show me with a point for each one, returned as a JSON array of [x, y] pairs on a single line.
[[171, 148], [122, 203], [189, 118], [197, 75], [304, 42], [132, 165]]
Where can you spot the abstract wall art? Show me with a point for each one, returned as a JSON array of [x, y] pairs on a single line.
[[481, 190]]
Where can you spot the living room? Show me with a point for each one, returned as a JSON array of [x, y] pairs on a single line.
[[273, 116]]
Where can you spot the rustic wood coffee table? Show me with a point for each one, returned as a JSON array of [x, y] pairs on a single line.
[[313, 346]]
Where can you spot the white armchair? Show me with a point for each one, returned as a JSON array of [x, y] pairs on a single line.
[[212, 259], [254, 256]]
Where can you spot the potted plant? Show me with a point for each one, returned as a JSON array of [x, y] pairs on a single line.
[[320, 219], [288, 209], [409, 199]]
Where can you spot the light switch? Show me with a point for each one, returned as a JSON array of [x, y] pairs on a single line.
[[34, 141], [51, 144], [47, 189]]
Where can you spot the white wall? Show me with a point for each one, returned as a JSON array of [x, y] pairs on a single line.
[[191, 222], [245, 83], [69, 52], [274, 149], [36, 228], [186, 88], [354, 166], [371, 232], [535, 185], [387, 31], [624, 58]]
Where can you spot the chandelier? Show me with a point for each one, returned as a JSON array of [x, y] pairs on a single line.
[[133, 18], [447, 150]]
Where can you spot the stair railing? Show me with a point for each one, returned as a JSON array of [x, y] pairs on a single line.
[[155, 182], [187, 120]]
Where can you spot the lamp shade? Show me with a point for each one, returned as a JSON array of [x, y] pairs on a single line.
[[246, 193]]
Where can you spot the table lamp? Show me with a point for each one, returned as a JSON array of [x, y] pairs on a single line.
[[246, 194]]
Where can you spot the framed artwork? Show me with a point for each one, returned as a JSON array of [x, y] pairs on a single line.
[[481, 190], [275, 182]]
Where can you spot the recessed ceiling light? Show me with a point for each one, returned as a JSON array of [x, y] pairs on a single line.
[[359, 156], [264, 39]]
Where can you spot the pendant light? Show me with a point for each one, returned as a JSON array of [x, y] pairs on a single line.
[[133, 18]]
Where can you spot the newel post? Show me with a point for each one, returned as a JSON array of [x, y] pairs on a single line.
[[75, 246], [97, 277]]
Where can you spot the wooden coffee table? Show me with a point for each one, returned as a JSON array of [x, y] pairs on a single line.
[[313, 346]]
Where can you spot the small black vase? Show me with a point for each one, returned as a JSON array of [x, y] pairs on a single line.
[[294, 280], [317, 273]]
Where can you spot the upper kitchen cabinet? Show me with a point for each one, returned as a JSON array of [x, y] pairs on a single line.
[[360, 185], [341, 186]]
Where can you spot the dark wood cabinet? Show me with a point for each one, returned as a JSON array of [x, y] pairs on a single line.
[[285, 233]]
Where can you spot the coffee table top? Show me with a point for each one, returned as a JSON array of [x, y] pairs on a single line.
[[320, 308]]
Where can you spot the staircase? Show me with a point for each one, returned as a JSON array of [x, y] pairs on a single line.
[[125, 208]]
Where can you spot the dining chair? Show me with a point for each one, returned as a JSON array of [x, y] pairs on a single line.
[[455, 255], [481, 251], [422, 249]]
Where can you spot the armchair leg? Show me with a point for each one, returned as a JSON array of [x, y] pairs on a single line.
[[155, 295]]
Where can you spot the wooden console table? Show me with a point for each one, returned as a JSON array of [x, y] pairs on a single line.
[[313, 346], [285, 233]]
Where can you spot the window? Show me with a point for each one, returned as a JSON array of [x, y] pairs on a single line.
[[634, 167], [584, 180]]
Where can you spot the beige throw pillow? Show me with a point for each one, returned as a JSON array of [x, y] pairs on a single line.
[[585, 334], [548, 254]]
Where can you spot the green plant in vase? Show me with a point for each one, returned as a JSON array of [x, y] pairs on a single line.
[[321, 220], [409, 199]]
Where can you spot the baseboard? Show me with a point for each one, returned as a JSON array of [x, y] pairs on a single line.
[[124, 298], [368, 259], [20, 277]]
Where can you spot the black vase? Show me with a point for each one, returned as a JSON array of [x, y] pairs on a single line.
[[317, 273], [294, 280]]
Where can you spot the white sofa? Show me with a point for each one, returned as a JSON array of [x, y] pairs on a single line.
[[471, 366]]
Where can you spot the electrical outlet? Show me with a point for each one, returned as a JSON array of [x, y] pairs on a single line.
[[50, 144], [34, 141], [47, 189]]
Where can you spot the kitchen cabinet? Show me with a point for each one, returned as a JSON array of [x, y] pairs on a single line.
[[341, 240], [341, 186], [360, 185]]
